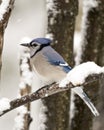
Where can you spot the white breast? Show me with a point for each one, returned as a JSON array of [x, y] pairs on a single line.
[[46, 72]]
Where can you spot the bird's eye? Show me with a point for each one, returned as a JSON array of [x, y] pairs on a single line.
[[34, 45]]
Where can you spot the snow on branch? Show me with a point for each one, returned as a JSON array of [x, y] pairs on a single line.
[[4, 104], [19, 119], [3, 8], [6, 7], [78, 76], [25, 67], [23, 118]]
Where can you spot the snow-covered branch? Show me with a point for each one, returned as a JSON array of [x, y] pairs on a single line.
[[6, 7], [78, 76], [23, 118], [3, 8]]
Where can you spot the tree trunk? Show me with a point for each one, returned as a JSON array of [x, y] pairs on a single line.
[[61, 23], [93, 50], [3, 25], [99, 122]]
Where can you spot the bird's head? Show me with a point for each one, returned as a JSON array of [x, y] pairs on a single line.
[[37, 44]]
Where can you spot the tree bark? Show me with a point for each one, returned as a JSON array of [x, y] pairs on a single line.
[[93, 50], [3, 25], [99, 122], [61, 23]]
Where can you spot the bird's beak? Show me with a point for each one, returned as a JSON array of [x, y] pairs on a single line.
[[25, 44]]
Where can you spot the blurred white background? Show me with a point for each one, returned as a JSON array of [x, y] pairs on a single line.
[[28, 19]]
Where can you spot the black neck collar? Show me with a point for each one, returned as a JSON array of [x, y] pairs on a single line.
[[41, 47]]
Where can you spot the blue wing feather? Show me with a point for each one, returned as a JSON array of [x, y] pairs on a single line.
[[55, 59], [66, 68]]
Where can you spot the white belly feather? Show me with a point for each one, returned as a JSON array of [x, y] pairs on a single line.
[[46, 72]]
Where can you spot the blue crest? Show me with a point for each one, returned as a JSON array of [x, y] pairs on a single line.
[[42, 40]]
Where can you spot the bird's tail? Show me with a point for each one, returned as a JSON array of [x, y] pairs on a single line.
[[79, 91]]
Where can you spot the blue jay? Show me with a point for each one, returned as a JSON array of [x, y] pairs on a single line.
[[51, 67], [47, 63]]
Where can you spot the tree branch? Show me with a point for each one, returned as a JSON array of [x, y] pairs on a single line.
[[25, 86], [47, 91], [5, 12]]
